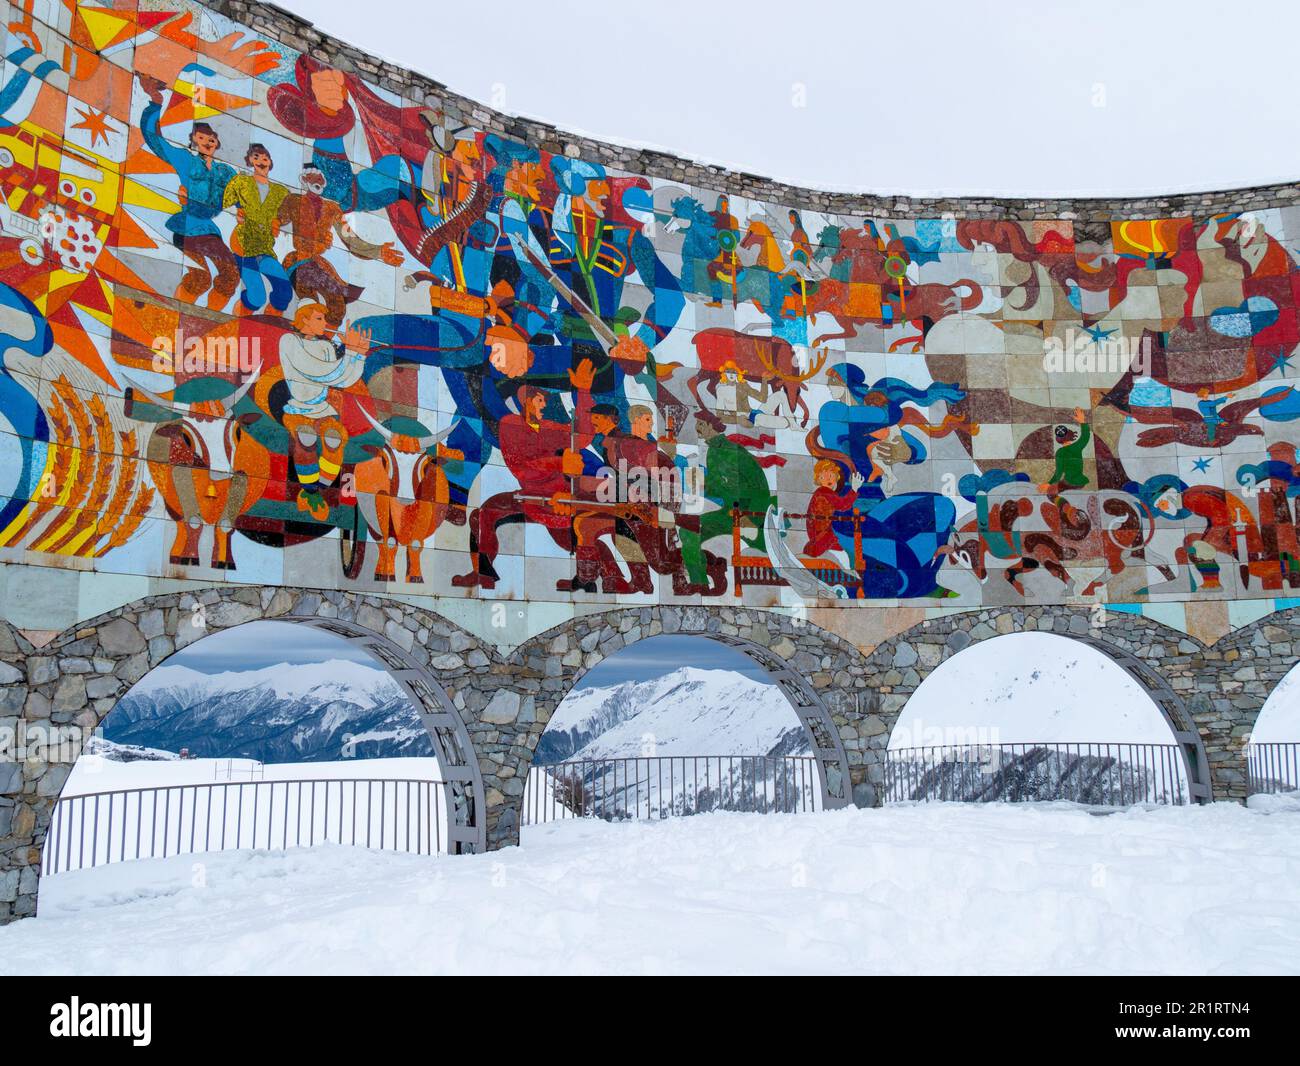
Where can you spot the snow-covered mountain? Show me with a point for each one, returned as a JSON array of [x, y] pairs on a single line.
[[686, 712], [282, 713], [678, 718], [308, 713]]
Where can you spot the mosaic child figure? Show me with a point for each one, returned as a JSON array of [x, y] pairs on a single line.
[[315, 221], [1068, 472], [1209, 408], [830, 499], [257, 201], [313, 365]]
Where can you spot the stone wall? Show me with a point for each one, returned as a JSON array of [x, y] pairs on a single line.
[[1216, 690], [505, 700], [64, 689]]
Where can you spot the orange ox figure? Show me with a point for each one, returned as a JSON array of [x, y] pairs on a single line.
[[403, 494], [208, 468]]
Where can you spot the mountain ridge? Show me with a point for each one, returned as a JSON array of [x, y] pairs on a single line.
[[303, 713], [282, 713], [690, 711]]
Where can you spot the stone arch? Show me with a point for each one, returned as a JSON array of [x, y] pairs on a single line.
[[1142, 647], [65, 688], [1271, 645], [805, 661], [462, 781], [1256, 659], [1237, 675]]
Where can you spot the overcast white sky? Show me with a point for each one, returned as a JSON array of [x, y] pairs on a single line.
[[261, 644], [961, 96]]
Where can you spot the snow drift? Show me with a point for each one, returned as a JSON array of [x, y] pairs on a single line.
[[932, 888]]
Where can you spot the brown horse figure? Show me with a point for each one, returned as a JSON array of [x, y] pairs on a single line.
[[871, 288]]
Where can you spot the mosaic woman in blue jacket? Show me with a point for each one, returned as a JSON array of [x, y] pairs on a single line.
[[901, 534]]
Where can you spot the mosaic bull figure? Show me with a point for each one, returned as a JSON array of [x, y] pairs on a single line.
[[208, 469], [403, 493]]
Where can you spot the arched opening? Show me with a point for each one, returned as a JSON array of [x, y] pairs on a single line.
[[674, 725], [1273, 745], [1039, 716], [272, 734]]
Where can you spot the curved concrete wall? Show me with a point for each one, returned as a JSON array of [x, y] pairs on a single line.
[[277, 313]]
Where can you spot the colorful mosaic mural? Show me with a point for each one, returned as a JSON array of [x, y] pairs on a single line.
[[264, 321]]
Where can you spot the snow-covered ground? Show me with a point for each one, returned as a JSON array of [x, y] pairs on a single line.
[[913, 889], [159, 805], [96, 773]]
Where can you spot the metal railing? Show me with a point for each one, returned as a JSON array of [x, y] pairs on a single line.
[[1272, 767], [93, 829], [667, 786], [1102, 774]]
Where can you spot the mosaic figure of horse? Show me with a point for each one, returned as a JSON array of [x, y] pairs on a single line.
[[867, 285]]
